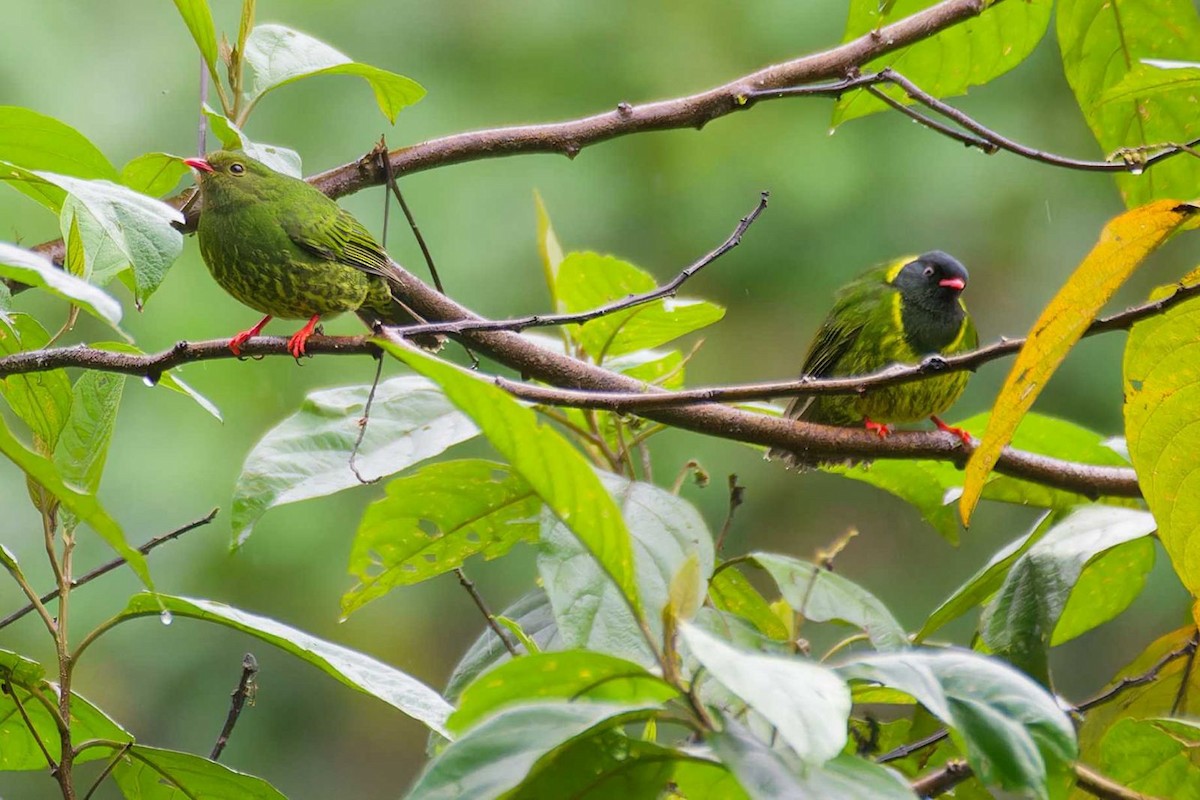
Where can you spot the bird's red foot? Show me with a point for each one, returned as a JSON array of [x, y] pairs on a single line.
[[235, 344], [881, 429], [959, 432], [299, 340]]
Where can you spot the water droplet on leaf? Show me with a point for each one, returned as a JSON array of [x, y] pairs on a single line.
[[166, 618]]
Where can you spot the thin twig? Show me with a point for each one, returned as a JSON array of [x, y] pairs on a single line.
[[202, 138], [10, 690], [1150, 675], [737, 495], [1181, 695], [690, 467], [111, 565], [363, 421], [108, 768], [906, 750], [496, 627], [942, 779], [244, 691], [1095, 784]]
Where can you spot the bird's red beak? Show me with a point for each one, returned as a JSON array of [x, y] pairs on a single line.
[[203, 166], [957, 284]]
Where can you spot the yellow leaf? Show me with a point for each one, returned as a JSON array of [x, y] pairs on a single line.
[[1124, 244]]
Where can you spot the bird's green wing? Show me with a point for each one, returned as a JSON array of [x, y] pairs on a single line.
[[834, 339], [336, 235]]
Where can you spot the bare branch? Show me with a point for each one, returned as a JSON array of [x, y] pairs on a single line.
[[243, 692]]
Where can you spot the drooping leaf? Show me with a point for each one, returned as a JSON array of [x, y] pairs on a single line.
[[433, 521], [280, 159], [549, 249], [280, 56], [495, 756], [354, 669], [806, 702], [151, 773], [21, 750], [611, 764], [35, 269], [666, 531], [167, 380], [1124, 243], [556, 471], [83, 446], [308, 454], [1156, 757], [34, 141], [1104, 45], [1013, 732], [198, 18], [822, 596], [85, 507], [1162, 387], [572, 675], [589, 280], [153, 174], [948, 63], [41, 399], [119, 228], [1020, 621], [730, 591], [663, 368], [932, 486], [533, 614]]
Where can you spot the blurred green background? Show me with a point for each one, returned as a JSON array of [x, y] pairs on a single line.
[[125, 73]]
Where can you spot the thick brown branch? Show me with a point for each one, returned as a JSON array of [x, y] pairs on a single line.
[[570, 137]]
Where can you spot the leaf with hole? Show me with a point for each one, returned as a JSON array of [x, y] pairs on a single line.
[[433, 521]]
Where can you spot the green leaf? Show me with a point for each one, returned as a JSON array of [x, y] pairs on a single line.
[[280, 159], [611, 764], [21, 750], [432, 522], [666, 530], [1162, 388], [730, 591], [280, 56], [198, 18], [1125, 103], [308, 454], [533, 613], [1107, 586], [35, 269], [1013, 732], [984, 583], [663, 368], [83, 446], [572, 675], [154, 174], [1018, 623], [354, 669], [118, 228], [166, 380], [932, 486], [808, 703], [822, 596], [764, 775], [34, 141], [556, 471], [41, 399], [495, 756], [1157, 757], [549, 249], [1123, 245], [150, 773], [84, 506], [968, 54], [589, 280]]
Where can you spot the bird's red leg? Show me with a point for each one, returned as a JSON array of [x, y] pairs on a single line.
[[881, 429], [959, 432], [235, 344], [299, 339]]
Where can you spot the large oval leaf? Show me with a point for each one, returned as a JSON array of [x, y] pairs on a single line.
[[308, 454], [1162, 395], [151, 773]]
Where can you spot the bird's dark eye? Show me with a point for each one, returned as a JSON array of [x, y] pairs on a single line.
[[238, 169], [928, 270]]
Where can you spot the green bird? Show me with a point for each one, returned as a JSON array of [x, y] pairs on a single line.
[[286, 250], [896, 313]]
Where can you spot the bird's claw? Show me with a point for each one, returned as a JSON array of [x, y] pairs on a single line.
[[880, 429], [962, 435]]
